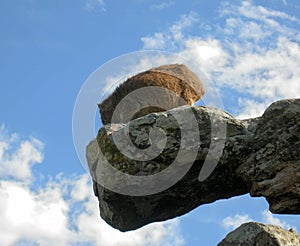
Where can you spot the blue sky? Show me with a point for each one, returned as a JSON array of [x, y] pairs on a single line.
[[250, 50]]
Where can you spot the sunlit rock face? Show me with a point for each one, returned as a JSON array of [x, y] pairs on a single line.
[[252, 234]]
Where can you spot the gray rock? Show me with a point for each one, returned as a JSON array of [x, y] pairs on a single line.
[[260, 156], [273, 168], [126, 212], [256, 234]]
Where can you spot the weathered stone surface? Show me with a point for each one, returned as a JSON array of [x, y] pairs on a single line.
[[172, 86], [252, 234], [130, 212], [273, 168], [260, 156]]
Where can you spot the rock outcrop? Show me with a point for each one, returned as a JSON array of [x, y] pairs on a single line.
[[260, 156], [273, 168], [171, 86], [252, 234], [127, 212]]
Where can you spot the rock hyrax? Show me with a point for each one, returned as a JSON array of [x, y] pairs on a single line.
[[175, 77]]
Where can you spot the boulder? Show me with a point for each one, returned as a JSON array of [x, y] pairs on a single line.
[[273, 168], [171, 86], [259, 155], [253, 233], [129, 212]]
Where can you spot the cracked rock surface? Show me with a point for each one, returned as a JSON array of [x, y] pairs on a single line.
[[259, 155], [273, 167]]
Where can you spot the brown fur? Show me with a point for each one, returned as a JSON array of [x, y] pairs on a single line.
[[172, 77]]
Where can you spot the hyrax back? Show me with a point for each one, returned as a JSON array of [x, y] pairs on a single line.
[[175, 77]]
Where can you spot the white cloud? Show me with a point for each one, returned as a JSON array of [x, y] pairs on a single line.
[[269, 218], [253, 30], [173, 36], [16, 161], [255, 54], [185, 21], [255, 12], [157, 41], [208, 54], [232, 223], [64, 211], [251, 108], [261, 13], [81, 189], [92, 229], [37, 217]]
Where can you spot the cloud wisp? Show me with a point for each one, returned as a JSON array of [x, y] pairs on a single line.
[[95, 5], [161, 6], [173, 37], [232, 222]]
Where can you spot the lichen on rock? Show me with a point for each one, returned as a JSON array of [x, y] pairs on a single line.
[[253, 234], [260, 156], [273, 167]]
